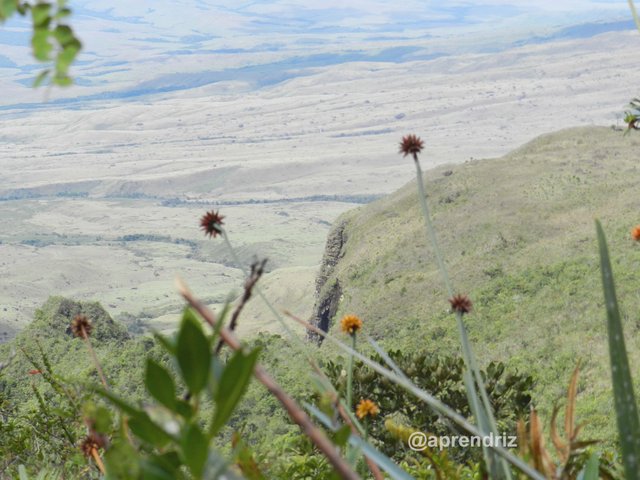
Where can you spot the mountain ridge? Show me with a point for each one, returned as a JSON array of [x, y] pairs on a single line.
[[518, 236]]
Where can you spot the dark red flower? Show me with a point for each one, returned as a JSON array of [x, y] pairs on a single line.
[[460, 303], [92, 443], [211, 223], [81, 326], [411, 145]]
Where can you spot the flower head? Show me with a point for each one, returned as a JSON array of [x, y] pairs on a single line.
[[635, 233], [92, 443], [81, 326], [367, 408], [460, 303], [211, 223], [411, 145], [350, 324]]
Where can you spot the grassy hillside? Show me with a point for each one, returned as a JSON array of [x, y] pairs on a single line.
[[518, 236]]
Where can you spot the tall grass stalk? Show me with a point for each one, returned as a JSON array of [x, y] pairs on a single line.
[[623, 393], [350, 373], [482, 409]]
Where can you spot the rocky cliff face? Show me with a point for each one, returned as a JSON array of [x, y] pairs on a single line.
[[328, 289]]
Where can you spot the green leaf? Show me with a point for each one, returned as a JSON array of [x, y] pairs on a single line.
[[153, 469], [40, 43], [341, 437], [7, 8], [63, 34], [62, 80], [184, 409], [233, 384], [160, 384], [195, 449], [123, 405], [146, 430], [62, 13], [169, 344], [591, 470], [67, 56], [624, 396], [193, 352], [40, 14], [121, 460]]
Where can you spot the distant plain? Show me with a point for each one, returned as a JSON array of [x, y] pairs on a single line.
[[101, 198]]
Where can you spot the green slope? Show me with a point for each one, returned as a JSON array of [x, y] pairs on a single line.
[[518, 236]]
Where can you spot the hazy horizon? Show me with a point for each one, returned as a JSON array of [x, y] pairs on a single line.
[[149, 47]]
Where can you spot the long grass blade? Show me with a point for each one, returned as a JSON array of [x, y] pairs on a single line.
[[624, 397]]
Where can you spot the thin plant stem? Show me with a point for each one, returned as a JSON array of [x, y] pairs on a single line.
[[94, 357], [467, 352], [350, 373], [431, 231]]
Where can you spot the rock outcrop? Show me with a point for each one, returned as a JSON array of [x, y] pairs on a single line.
[[328, 288]]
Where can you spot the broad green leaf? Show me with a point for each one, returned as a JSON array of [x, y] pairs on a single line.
[[123, 405], [591, 470], [62, 80], [623, 394], [160, 384], [193, 352], [341, 436], [22, 472], [169, 344], [184, 409], [195, 449], [234, 382], [145, 429], [7, 8], [121, 460], [67, 55], [153, 469], [63, 34], [40, 14], [40, 43], [62, 13]]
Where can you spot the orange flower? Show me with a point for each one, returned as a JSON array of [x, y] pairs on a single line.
[[635, 233], [366, 408], [460, 303], [350, 324]]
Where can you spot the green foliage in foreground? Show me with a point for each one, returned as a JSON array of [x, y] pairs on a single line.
[[53, 40], [510, 395]]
